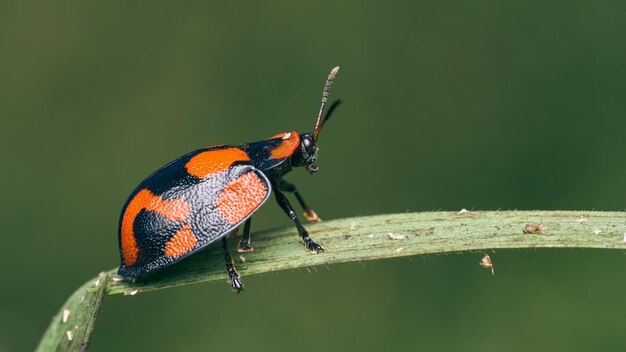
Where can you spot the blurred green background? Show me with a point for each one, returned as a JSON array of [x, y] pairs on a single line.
[[448, 105]]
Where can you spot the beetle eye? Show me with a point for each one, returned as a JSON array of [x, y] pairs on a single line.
[[307, 143]]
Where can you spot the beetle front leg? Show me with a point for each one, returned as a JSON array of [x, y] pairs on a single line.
[[309, 214], [233, 276], [309, 244]]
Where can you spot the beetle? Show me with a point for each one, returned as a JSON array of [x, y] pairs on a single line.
[[206, 194]]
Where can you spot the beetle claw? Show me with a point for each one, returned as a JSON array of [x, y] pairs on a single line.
[[235, 281], [312, 246]]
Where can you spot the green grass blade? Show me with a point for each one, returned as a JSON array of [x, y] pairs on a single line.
[[356, 239], [72, 327]]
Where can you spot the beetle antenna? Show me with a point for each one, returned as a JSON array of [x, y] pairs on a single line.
[[330, 111], [329, 83]]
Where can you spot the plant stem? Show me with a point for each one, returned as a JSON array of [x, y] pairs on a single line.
[[71, 328], [356, 239]]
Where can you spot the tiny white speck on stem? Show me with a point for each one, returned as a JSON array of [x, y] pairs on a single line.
[[353, 225], [463, 211], [66, 315], [596, 232], [70, 335], [395, 236], [581, 220], [398, 250]]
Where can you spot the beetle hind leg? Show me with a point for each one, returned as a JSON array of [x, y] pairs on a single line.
[[245, 244], [233, 276]]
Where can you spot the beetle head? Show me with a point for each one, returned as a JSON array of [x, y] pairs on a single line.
[[306, 153]]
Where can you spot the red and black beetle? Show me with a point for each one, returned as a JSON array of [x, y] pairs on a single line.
[[202, 196]]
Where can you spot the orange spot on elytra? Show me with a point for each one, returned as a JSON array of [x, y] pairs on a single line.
[[175, 209], [241, 197], [290, 142], [182, 242], [214, 161]]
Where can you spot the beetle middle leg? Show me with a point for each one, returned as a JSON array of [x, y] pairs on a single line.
[[309, 214], [233, 276], [245, 244], [309, 244]]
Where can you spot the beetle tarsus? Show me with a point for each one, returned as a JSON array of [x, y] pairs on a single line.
[[312, 216], [235, 280], [233, 276], [312, 246], [244, 246]]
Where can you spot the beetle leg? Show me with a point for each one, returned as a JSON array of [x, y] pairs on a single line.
[[245, 245], [309, 244], [233, 277], [309, 214]]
